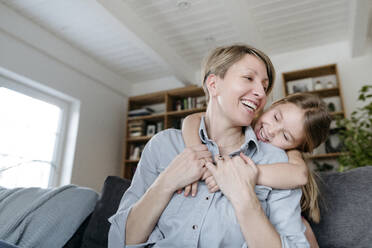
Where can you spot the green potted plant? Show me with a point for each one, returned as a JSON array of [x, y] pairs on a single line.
[[356, 133]]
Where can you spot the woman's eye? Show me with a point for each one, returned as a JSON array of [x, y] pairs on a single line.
[[285, 137], [276, 118]]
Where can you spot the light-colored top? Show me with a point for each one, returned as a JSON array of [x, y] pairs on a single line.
[[208, 219]]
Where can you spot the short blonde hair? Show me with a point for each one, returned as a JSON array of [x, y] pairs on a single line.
[[222, 58]]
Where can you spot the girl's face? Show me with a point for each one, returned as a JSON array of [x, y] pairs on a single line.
[[241, 93], [282, 125]]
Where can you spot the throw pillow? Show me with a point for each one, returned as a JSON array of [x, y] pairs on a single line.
[[96, 234]]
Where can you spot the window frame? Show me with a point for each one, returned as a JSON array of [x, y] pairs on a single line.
[[63, 156]]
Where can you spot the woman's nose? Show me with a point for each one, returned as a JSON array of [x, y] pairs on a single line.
[[259, 90]]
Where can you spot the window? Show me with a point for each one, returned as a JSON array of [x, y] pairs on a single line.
[[31, 136]]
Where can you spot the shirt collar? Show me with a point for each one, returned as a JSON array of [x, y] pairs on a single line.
[[250, 143]]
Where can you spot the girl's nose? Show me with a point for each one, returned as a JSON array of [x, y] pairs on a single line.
[[272, 131]]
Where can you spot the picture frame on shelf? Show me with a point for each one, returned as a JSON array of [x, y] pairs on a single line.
[[301, 85], [150, 130], [333, 103]]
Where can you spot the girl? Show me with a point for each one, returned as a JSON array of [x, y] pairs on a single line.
[[299, 121]]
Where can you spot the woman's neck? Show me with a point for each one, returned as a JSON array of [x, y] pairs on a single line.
[[229, 138]]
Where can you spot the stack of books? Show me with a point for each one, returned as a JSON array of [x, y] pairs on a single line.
[[190, 103], [136, 128], [140, 112]]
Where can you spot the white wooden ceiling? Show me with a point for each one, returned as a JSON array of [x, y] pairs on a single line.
[[149, 39]]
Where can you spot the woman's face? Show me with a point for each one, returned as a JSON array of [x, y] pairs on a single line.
[[241, 93], [282, 125]]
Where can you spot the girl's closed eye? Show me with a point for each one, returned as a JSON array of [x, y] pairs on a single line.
[[285, 136], [249, 78]]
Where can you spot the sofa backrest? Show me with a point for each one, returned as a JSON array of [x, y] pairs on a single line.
[[346, 209]]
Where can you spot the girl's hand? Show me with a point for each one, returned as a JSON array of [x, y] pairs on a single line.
[[193, 188], [210, 182], [234, 175], [186, 168]]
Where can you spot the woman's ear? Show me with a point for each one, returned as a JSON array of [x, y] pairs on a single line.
[[211, 83]]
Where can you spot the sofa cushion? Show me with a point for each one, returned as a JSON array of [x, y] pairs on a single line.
[[96, 233], [43, 218], [346, 209]]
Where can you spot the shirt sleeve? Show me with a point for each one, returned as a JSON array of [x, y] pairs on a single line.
[[284, 207], [285, 215], [145, 175]]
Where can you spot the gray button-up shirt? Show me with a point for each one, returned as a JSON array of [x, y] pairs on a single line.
[[208, 219]]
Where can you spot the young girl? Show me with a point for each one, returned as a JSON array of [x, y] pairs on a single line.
[[299, 121]]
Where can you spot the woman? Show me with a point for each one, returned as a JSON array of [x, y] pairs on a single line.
[[237, 79]]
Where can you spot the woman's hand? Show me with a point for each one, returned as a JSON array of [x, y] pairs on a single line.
[[186, 168], [234, 175]]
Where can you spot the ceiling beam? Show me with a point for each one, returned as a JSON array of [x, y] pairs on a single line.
[[144, 37], [359, 26], [244, 23]]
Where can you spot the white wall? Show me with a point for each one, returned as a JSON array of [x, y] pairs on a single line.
[[165, 83], [353, 72], [102, 110]]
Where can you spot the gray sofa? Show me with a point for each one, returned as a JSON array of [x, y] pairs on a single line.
[[346, 211]]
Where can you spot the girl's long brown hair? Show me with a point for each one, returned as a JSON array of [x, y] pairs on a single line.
[[316, 126]]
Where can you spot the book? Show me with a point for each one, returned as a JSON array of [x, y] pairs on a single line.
[[140, 112]]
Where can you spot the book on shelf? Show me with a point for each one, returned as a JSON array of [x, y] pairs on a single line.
[[136, 128], [140, 112], [190, 103], [135, 151], [159, 126], [136, 134], [201, 101]]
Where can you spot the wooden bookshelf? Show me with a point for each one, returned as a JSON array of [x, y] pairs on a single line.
[[322, 81], [170, 117]]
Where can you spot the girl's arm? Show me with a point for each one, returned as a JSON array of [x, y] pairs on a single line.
[[284, 175], [279, 175], [190, 127]]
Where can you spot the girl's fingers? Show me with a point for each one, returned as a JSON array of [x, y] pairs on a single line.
[[187, 190], [214, 189], [206, 174], [179, 191], [194, 188], [211, 168]]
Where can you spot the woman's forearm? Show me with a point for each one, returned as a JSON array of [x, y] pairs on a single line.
[[146, 212], [256, 227]]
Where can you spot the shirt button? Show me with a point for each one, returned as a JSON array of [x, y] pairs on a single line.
[[207, 198], [194, 227]]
